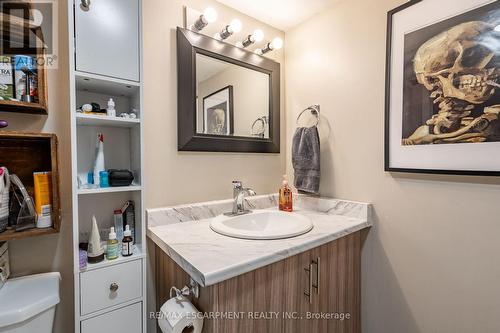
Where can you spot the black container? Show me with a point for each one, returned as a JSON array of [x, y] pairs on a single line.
[[119, 177]]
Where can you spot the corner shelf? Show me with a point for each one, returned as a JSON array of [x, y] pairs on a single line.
[[115, 189], [12, 234], [93, 120]]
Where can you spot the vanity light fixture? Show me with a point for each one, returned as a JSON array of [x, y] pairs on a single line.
[[209, 15], [233, 27], [276, 44], [255, 37]]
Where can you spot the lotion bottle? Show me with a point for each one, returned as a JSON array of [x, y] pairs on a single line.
[[285, 196]]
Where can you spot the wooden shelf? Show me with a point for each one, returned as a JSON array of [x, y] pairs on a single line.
[[11, 234], [22, 107], [109, 189], [95, 120], [23, 154], [15, 29]]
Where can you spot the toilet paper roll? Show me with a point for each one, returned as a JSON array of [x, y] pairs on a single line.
[[179, 315]]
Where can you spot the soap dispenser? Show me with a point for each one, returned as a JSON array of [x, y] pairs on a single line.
[[285, 196]]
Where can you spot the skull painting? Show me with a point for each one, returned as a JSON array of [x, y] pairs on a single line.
[[460, 68], [218, 122]]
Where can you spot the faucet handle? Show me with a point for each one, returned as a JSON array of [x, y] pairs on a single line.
[[237, 184]]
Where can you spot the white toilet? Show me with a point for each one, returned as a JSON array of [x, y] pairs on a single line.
[[28, 303]]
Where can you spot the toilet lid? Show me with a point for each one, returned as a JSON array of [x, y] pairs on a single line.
[[25, 297]]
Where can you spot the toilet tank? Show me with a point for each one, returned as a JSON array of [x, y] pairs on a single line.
[[28, 303]]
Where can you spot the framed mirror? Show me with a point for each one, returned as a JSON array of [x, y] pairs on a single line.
[[228, 98]]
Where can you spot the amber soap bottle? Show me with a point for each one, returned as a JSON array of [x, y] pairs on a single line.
[[285, 199]]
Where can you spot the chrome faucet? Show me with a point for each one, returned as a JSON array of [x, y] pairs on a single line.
[[239, 193]]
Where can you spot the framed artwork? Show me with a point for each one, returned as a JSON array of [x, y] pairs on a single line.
[[442, 87], [218, 112]]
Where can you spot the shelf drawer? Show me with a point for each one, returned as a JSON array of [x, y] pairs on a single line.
[[96, 287], [125, 320]]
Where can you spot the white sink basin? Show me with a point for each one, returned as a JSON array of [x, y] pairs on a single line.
[[262, 224]]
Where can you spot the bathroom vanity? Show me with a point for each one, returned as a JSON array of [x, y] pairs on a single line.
[[265, 285]]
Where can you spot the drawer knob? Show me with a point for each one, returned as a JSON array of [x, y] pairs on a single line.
[[113, 287]]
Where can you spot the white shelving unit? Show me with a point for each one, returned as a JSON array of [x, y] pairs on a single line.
[[96, 79]]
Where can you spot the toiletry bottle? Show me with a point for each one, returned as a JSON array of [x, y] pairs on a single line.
[[112, 249], [285, 196], [110, 111], [95, 251], [127, 242], [99, 158]]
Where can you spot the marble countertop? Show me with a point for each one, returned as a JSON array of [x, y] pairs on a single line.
[[184, 233]]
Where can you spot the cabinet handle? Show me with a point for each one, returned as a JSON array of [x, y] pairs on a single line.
[[308, 293], [113, 287], [317, 262], [85, 4]]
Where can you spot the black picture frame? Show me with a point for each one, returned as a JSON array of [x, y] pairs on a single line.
[[189, 44], [230, 110], [387, 166]]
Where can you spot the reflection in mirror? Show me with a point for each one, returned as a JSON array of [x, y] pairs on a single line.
[[231, 100]]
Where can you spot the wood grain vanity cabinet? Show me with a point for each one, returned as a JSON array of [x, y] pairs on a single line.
[[322, 281]]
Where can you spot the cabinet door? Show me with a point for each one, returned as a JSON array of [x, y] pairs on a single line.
[[340, 284], [107, 38], [124, 320]]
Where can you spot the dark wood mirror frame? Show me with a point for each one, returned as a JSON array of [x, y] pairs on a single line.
[[189, 44]]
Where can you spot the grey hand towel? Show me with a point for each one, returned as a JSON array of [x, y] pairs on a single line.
[[306, 159]]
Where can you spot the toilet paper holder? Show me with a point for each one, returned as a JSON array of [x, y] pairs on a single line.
[[192, 289]]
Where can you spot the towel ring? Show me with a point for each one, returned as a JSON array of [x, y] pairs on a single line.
[[263, 120], [315, 110]]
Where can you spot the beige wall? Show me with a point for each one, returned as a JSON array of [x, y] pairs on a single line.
[[181, 177], [430, 263], [54, 252]]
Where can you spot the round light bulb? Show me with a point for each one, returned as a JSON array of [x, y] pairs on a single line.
[[210, 15], [277, 43], [235, 25], [258, 35]]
